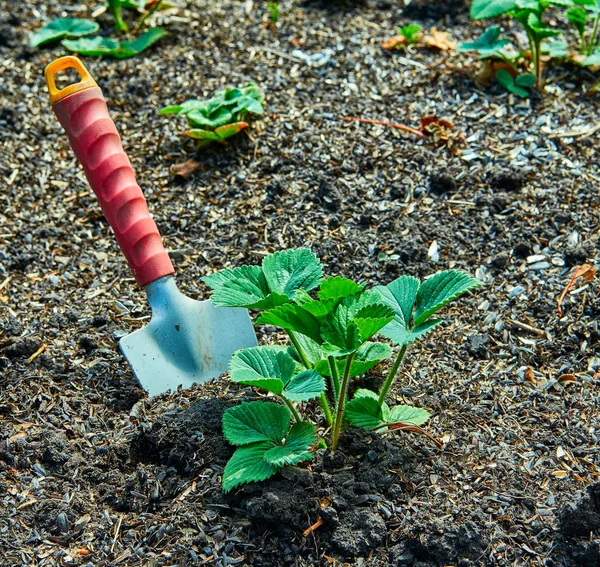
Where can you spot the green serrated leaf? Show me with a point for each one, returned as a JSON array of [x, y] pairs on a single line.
[[483, 9], [95, 46], [292, 317], [198, 134], [400, 296], [578, 17], [200, 118], [556, 49], [439, 290], [251, 422], [408, 414], [305, 386], [537, 27], [508, 82], [99, 46], [290, 270], [247, 105], [526, 80], [340, 332], [401, 337], [338, 288], [364, 411], [144, 41], [296, 448], [230, 130], [245, 286], [371, 320], [62, 28], [267, 367], [319, 308], [248, 465], [487, 45], [593, 59], [311, 349]]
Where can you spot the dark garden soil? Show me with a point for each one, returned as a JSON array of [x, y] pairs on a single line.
[[94, 473]]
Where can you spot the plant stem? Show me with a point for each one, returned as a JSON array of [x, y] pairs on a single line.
[[388, 124], [299, 350], [335, 378], [291, 407], [143, 19], [115, 8], [390, 379], [339, 412], [306, 362], [593, 39], [326, 409], [538, 65]]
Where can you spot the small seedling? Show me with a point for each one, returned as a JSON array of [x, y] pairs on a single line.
[[106, 46], [411, 33], [330, 323], [273, 8], [222, 116], [63, 28], [407, 35]]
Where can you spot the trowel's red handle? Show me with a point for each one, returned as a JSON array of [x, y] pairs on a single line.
[[82, 112]]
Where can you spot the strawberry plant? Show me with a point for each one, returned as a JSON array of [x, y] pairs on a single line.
[[580, 14], [330, 323], [500, 62], [75, 32], [63, 28], [529, 13], [219, 117], [105, 46]]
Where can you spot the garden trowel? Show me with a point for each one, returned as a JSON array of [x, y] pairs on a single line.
[[186, 341]]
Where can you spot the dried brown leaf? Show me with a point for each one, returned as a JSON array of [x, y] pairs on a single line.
[[585, 271], [439, 40], [529, 376], [393, 42], [185, 169]]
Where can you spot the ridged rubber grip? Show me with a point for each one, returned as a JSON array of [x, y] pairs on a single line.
[[96, 143]]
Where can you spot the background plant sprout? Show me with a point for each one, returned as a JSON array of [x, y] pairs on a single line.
[[491, 47], [219, 117], [580, 14], [273, 9], [330, 323], [529, 13]]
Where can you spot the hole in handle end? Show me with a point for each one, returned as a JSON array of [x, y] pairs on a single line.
[[68, 62]]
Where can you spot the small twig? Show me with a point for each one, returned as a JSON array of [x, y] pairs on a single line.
[[388, 124], [576, 133], [526, 327], [415, 429], [312, 528], [5, 283], [281, 54], [36, 354], [117, 529]]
